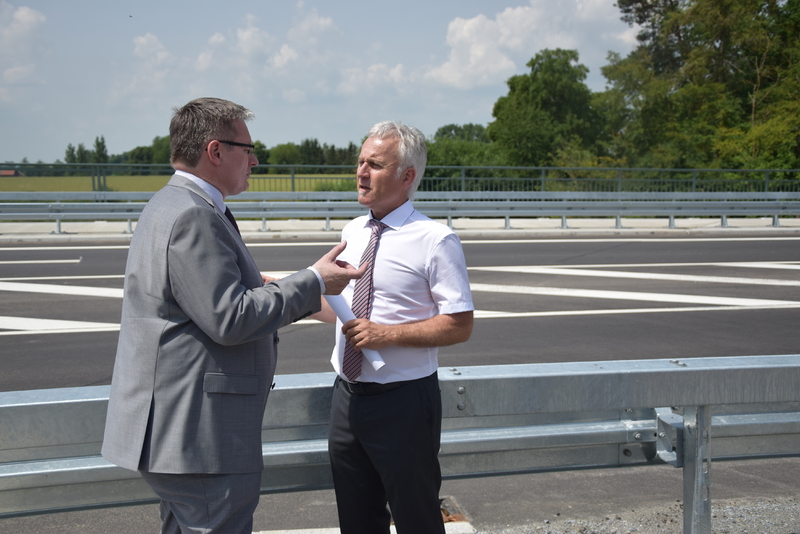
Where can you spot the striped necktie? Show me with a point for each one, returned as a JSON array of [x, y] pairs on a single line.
[[362, 300]]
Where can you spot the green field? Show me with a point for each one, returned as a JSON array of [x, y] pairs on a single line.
[[261, 182]]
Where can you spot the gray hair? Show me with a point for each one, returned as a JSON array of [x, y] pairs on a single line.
[[200, 121], [412, 149]]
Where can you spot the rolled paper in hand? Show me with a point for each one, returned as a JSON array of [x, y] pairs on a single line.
[[344, 313]]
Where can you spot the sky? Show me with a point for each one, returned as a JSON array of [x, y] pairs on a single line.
[[74, 70]]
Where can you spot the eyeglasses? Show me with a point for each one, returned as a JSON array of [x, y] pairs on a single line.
[[235, 143]]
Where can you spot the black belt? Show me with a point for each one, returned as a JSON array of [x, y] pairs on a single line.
[[370, 388]]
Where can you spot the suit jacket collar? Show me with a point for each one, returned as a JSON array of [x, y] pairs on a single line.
[[180, 181]]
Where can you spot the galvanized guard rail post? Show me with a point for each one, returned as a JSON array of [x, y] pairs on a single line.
[[697, 470]]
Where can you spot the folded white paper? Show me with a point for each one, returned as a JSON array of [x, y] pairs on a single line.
[[344, 313]]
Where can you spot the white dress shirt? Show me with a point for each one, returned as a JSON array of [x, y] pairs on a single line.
[[420, 272]]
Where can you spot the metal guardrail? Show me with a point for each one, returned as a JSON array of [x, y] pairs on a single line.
[[75, 206], [497, 420]]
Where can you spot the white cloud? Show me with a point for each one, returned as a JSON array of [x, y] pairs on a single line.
[[361, 81], [253, 41], [149, 49], [294, 95], [310, 27], [18, 74], [486, 51], [19, 34], [285, 55], [476, 54], [18, 28]]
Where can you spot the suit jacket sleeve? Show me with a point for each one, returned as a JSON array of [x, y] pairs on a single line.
[[208, 284]]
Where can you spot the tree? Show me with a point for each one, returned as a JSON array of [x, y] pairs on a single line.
[[161, 150], [141, 155], [311, 153], [285, 154], [340, 156], [69, 154], [100, 153], [713, 83], [82, 155], [261, 152], [465, 132], [547, 106]]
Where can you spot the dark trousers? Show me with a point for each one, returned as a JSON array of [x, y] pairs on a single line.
[[384, 449]]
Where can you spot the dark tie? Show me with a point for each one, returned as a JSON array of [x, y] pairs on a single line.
[[362, 300], [229, 215]]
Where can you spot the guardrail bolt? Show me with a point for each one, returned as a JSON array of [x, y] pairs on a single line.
[[627, 452], [637, 436], [461, 406], [461, 390]]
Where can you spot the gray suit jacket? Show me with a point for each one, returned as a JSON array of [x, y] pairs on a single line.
[[197, 343]]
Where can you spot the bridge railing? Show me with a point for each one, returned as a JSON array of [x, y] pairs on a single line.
[[497, 420], [89, 206], [300, 177]]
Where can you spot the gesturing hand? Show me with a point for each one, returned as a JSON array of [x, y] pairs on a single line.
[[337, 274]]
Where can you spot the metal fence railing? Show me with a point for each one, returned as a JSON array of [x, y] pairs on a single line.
[[127, 206], [131, 177], [498, 419]]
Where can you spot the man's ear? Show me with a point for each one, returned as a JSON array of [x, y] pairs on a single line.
[[408, 176], [214, 153]]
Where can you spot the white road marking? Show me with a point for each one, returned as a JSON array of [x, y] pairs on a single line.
[[629, 295], [749, 264], [482, 314], [83, 291], [568, 271], [34, 262], [27, 325], [76, 277]]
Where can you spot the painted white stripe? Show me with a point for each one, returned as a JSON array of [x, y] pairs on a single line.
[[76, 277], [753, 264], [790, 265], [71, 247], [32, 324], [625, 240], [83, 291], [458, 527], [479, 314], [566, 271], [629, 295], [32, 262], [622, 311]]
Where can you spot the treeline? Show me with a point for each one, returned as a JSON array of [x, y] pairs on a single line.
[[711, 84], [308, 152]]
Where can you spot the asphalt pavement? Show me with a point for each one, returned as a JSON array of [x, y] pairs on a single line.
[[535, 502]]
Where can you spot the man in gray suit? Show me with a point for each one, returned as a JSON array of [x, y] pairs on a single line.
[[197, 344]]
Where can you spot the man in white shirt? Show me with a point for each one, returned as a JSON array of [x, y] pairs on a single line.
[[385, 424]]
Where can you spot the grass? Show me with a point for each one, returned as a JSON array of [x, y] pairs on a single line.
[[261, 182]]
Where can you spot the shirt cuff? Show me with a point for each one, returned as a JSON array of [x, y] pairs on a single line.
[[322, 287]]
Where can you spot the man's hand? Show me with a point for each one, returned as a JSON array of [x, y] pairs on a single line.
[[364, 334], [337, 274]]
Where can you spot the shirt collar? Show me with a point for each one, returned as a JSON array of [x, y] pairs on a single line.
[[396, 218], [212, 191]]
